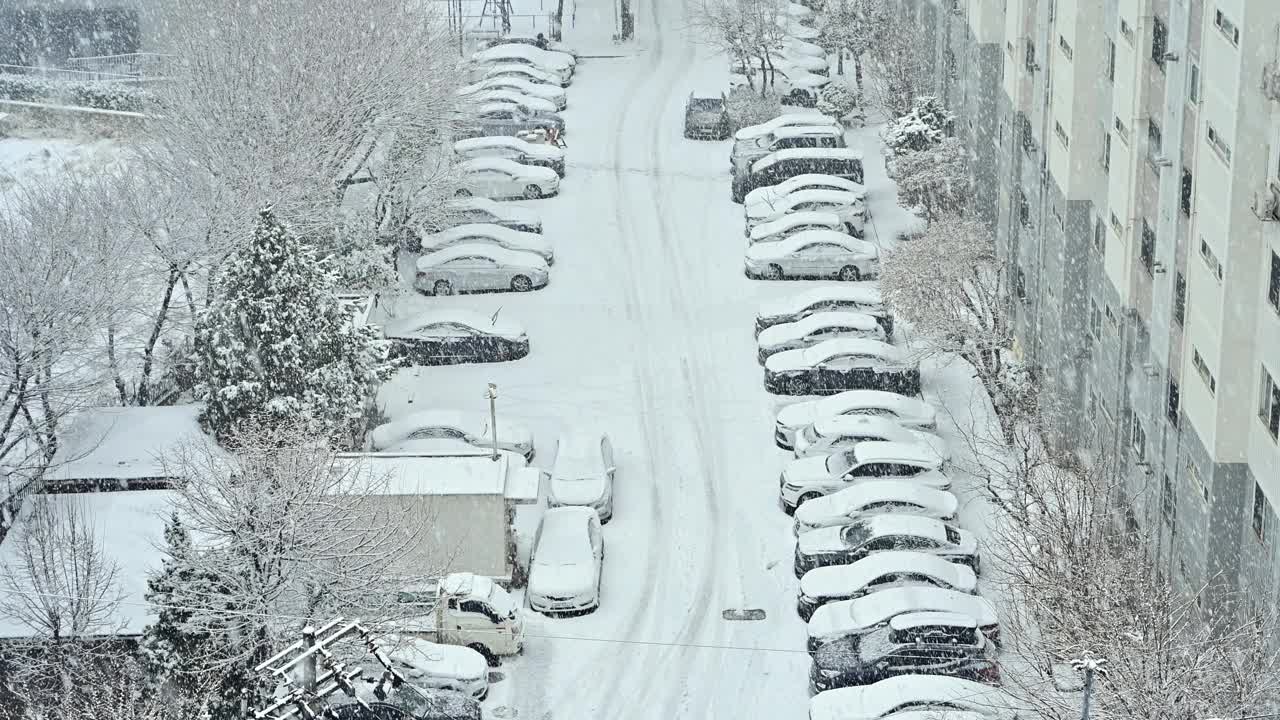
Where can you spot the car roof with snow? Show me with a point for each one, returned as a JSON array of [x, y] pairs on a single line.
[[836, 580], [498, 254], [578, 450], [493, 207], [522, 51], [841, 403], [852, 346], [868, 294], [423, 658], [805, 238], [496, 163], [490, 141], [900, 524], [909, 692], [564, 531], [871, 610], [818, 321], [795, 131], [469, 318], [478, 230], [829, 195], [806, 154], [872, 492], [794, 117], [882, 451], [815, 181], [844, 424], [499, 68], [931, 618], [790, 220], [504, 95], [472, 423]]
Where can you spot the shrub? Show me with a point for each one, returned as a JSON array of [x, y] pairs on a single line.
[[837, 100], [99, 95], [923, 128]]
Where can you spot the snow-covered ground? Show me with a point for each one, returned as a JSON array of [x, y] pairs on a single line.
[[33, 155]]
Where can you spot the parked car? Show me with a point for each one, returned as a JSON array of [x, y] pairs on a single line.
[[849, 207], [495, 235], [499, 178], [788, 55], [746, 152], [812, 477], [875, 497], [524, 72], [448, 337], [794, 117], [928, 643], [567, 562], [861, 298], [835, 365], [496, 118], [554, 93], [583, 472], [859, 616], [561, 64], [845, 544], [796, 86], [800, 47], [924, 697], [821, 253], [814, 329], [776, 167], [527, 40], [707, 116], [762, 200], [878, 572], [470, 428], [527, 103], [788, 225], [480, 267], [511, 148], [476, 210], [906, 411], [407, 702], [432, 665], [842, 432]]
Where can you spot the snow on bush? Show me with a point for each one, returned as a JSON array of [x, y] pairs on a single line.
[[935, 180], [837, 100], [924, 127], [748, 107], [103, 96]]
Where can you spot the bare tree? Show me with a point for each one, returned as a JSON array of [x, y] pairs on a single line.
[[855, 27], [749, 32], [901, 66]]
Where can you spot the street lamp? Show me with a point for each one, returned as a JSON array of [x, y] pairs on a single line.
[[1089, 666], [492, 394]]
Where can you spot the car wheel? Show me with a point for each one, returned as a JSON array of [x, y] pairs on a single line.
[[462, 192], [797, 386], [532, 192], [521, 283], [773, 272], [849, 273], [489, 657], [442, 287], [807, 497]]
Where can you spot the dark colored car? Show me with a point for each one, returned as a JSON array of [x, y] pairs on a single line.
[[785, 164], [844, 545], [834, 366], [493, 119], [466, 211], [408, 702], [707, 117], [927, 643], [453, 337]]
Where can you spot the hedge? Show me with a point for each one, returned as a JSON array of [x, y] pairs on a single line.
[[102, 96]]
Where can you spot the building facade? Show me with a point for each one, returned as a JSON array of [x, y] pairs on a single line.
[[1127, 157]]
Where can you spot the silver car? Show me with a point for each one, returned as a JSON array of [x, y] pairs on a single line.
[[814, 254], [480, 268], [488, 234], [502, 178]]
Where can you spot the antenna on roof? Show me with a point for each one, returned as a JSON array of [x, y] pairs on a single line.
[[494, 319]]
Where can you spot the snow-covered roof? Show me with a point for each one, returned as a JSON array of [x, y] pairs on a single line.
[[790, 220], [501, 255], [805, 48], [808, 194], [900, 524], [469, 318], [529, 53], [421, 658], [868, 294], [476, 229], [499, 209], [836, 580], [806, 154], [874, 701], [126, 443], [799, 131], [128, 525], [515, 97], [878, 451], [473, 473], [842, 403]]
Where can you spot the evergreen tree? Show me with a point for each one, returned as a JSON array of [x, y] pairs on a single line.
[[276, 343]]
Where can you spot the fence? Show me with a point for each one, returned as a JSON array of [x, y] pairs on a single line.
[[138, 66], [64, 74]]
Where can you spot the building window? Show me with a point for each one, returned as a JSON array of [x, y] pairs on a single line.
[[1269, 405], [1210, 259], [1193, 479], [1024, 209], [1064, 46], [1273, 287], [1180, 299], [951, 65], [1062, 134], [1126, 32], [1260, 510], [1111, 317], [1185, 197], [1154, 137], [1147, 253], [1219, 145], [1122, 131], [1228, 28], [1167, 502], [1030, 59], [1115, 224], [1106, 150], [1111, 60], [1100, 236], [1193, 80], [1159, 41], [1028, 141], [1095, 320], [1203, 369], [1172, 402], [1020, 283], [1138, 438]]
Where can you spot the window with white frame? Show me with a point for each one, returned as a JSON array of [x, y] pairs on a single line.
[[1126, 31], [1218, 143], [1210, 259], [1062, 134], [1138, 438], [1203, 369], [1064, 46], [1193, 83], [1122, 131], [1228, 28], [1269, 405]]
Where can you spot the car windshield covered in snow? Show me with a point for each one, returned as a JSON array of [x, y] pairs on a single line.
[[855, 534], [698, 104]]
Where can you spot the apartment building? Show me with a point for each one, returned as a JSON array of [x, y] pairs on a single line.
[[1133, 184]]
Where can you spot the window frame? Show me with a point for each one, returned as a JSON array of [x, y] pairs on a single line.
[[1259, 514], [1273, 283], [1159, 41], [1269, 404], [1180, 299], [1147, 248]]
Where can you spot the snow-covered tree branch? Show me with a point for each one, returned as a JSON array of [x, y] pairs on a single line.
[[900, 71], [749, 32]]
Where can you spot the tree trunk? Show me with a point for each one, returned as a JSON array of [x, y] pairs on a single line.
[[114, 364], [143, 395]]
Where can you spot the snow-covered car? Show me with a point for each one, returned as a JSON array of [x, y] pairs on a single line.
[[906, 411], [567, 562], [498, 118], [797, 27], [788, 225], [845, 544], [763, 199], [500, 178], [842, 432], [794, 117], [914, 697], [786, 54], [801, 47], [432, 665], [782, 165], [881, 571], [511, 148], [553, 93], [476, 210], [524, 72], [448, 337], [927, 643], [814, 329], [583, 472], [861, 615], [483, 234], [560, 64], [470, 428], [833, 366], [706, 115], [746, 152], [875, 497], [480, 267], [849, 207], [551, 45], [864, 298], [812, 477], [823, 253], [527, 103]]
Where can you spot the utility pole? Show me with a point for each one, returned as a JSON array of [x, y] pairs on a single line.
[[1089, 666], [492, 394]]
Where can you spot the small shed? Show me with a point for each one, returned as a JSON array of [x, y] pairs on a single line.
[[459, 505], [125, 448]]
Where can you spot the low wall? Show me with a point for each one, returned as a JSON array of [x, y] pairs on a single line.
[[81, 120]]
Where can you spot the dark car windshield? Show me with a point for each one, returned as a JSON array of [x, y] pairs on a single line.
[[706, 104]]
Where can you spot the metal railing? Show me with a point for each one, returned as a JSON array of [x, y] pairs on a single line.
[[136, 66], [64, 74]]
